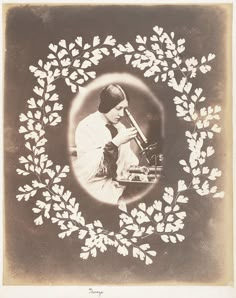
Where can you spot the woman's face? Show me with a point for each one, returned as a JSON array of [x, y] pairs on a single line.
[[114, 115]]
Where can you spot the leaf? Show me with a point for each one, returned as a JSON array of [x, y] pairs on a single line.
[[214, 173], [86, 64], [150, 210], [110, 40], [152, 253], [22, 172], [74, 52], [203, 60], [148, 260], [219, 195], [62, 235], [128, 58], [39, 220], [160, 227], [182, 162], [22, 129], [158, 217], [105, 51], [211, 57], [96, 41], [182, 199], [213, 189], [170, 218], [140, 39], [79, 41], [180, 237], [122, 250], [142, 206], [177, 100], [216, 128], [165, 238], [181, 185], [168, 198], [168, 209], [91, 74], [62, 43], [38, 91], [97, 223], [32, 68], [57, 107], [210, 151], [180, 41], [180, 49], [181, 215], [157, 205], [172, 239], [158, 30], [116, 52], [150, 230], [188, 87]]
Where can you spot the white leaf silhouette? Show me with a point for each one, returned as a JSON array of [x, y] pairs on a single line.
[[169, 190], [168, 198], [140, 39], [211, 56], [172, 239], [122, 250], [216, 128], [53, 47], [74, 52], [181, 215], [165, 238], [219, 195], [180, 237], [170, 218], [158, 30], [157, 205], [96, 41], [181, 185], [39, 220], [86, 64], [158, 217], [160, 227], [150, 230], [148, 260], [150, 210], [182, 162], [142, 206], [152, 253], [79, 41], [38, 91], [22, 129], [62, 43], [110, 40]]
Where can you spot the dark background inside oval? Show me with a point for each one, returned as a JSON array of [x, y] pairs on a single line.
[[34, 254]]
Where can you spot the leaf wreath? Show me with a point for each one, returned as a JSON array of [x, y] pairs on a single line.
[[159, 57]]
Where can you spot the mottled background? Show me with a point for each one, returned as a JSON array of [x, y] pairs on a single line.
[[34, 254]]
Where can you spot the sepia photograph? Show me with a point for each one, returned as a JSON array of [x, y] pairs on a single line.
[[105, 161], [117, 145]]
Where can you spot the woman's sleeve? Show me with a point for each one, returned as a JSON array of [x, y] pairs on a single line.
[[110, 153]]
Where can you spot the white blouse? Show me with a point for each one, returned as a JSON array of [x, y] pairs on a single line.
[[91, 136]]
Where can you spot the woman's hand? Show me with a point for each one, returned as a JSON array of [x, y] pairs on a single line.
[[124, 136]]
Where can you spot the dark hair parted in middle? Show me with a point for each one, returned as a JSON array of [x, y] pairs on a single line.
[[110, 96]]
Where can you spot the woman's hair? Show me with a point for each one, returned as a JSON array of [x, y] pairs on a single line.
[[110, 96]]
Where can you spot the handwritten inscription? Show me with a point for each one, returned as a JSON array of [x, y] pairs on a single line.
[[95, 292]]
